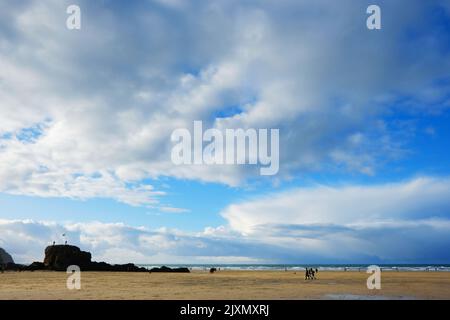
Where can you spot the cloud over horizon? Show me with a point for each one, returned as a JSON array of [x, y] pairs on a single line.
[[420, 198], [393, 223]]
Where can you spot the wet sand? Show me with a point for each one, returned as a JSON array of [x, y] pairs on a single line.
[[224, 285]]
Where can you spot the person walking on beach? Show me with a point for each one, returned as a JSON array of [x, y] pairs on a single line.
[[309, 274]]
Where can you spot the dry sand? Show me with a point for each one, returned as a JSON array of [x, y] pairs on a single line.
[[224, 285]]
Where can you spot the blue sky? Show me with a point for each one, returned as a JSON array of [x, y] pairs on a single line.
[[86, 117]]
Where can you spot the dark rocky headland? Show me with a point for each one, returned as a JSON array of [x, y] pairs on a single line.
[[5, 257]]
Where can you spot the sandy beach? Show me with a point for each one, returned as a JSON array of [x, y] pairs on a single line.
[[224, 285]]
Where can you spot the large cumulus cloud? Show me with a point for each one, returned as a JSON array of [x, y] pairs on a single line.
[[89, 113]]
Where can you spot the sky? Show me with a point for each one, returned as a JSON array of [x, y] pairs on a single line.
[[86, 118]]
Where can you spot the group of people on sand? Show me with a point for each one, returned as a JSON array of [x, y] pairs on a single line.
[[310, 273]]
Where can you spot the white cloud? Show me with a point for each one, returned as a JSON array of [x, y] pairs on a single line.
[[405, 221], [106, 98], [173, 209], [343, 205], [89, 114], [392, 223]]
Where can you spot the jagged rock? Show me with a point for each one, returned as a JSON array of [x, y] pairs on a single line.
[[5, 257], [59, 257], [167, 269], [21, 267], [103, 266], [15, 267], [36, 266]]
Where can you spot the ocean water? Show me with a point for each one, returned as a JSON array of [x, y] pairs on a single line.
[[302, 267]]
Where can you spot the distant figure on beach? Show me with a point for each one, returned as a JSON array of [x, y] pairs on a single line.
[[212, 270], [310, 273], [65, 243], [307, 274], [53, 243]]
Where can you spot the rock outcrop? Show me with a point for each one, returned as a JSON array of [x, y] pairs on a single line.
[[103, 266], [35, 266], [59, 257], [167, 269], [5, 257]]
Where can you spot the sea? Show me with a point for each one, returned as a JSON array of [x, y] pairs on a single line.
[[302, 267]]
